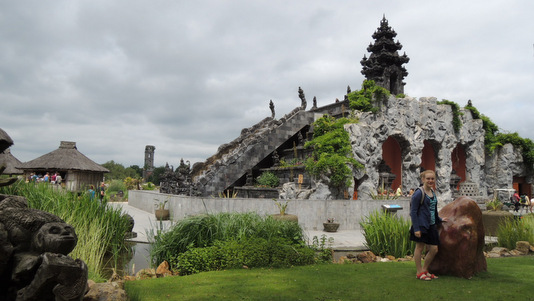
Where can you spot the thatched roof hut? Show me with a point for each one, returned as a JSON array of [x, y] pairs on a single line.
[[11, 163], [77, 171]]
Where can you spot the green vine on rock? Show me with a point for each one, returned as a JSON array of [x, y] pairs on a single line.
[[362, 100], [494, 139], [332, 152], [456, 122], [490, 128]]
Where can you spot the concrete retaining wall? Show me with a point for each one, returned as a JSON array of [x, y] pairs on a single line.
[[311, 213]]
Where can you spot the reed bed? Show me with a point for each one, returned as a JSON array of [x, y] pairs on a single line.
[[387, 234], [511, 231], [100, 229], [204, 230]]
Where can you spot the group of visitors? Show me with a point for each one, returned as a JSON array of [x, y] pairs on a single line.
[[101, 192], [55, 178], [521, 202]]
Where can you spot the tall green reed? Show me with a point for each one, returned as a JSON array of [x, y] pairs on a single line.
[[204, 230], [511, 231], [100, 229], [387, 234]]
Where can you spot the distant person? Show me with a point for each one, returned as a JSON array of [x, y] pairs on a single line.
[[53, 178], [102, 192], [92, 192], [525, 203], [58, 179], [516, 201], [46, 178]]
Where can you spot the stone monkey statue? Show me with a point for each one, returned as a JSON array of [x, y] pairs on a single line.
[[37, 266]]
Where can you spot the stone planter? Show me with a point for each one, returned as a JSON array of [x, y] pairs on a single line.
[[286, 217], [162, 214], [331, 227], [492, 219]]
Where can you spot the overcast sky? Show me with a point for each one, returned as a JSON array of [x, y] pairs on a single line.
[[187, 76]]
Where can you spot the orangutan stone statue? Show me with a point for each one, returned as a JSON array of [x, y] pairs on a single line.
[[461, 249], [34, 245]]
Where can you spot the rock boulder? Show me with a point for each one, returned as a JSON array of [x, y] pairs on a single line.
[[461, 252]]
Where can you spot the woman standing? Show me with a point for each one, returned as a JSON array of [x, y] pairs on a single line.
[[425, 221]]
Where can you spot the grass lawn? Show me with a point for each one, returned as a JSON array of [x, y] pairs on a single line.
[[507, 279]]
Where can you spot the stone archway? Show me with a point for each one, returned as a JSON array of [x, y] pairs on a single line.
[[391, 154], [428, 156], [458, 160]]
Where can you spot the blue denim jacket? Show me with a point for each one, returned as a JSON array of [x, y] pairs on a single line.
[[420, 213]]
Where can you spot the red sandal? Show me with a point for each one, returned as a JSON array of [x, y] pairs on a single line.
[[423, 276], [431, 276]]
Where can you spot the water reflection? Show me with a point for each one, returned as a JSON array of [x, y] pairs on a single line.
[[135, 258]]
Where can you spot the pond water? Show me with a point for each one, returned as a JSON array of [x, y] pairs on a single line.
[[129, 262], [140, 259]]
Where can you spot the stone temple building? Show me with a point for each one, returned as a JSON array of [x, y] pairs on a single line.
[[407, 135]]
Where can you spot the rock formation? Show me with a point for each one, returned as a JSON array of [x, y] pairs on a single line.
[[461, 252], [411, 122]]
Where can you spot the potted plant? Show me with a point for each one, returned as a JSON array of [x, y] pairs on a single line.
[[330, 225], [161, 212], [282, 209]]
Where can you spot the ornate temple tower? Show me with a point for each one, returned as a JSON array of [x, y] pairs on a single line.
[[384, 64], [148, 168]]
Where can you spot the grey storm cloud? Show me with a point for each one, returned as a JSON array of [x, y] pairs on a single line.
[[187, 76]]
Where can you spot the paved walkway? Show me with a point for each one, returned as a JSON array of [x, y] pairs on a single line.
[[145, 223]]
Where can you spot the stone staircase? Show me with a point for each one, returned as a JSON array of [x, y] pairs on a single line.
[[255, 144]]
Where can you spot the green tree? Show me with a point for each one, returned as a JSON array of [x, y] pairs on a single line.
[[117, 171], [155, 177], [138, 170]]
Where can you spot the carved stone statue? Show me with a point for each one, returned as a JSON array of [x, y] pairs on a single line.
[[35, 245], [314, 103], [271, 106], [302, 97], [276, 159], [179, 181]]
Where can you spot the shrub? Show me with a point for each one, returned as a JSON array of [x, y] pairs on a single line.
[[268, 179], [149, 186], [324, 253], [131, 183], [386, 234], [114, 187], [204, 230], [250, 252], [362, 100]]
